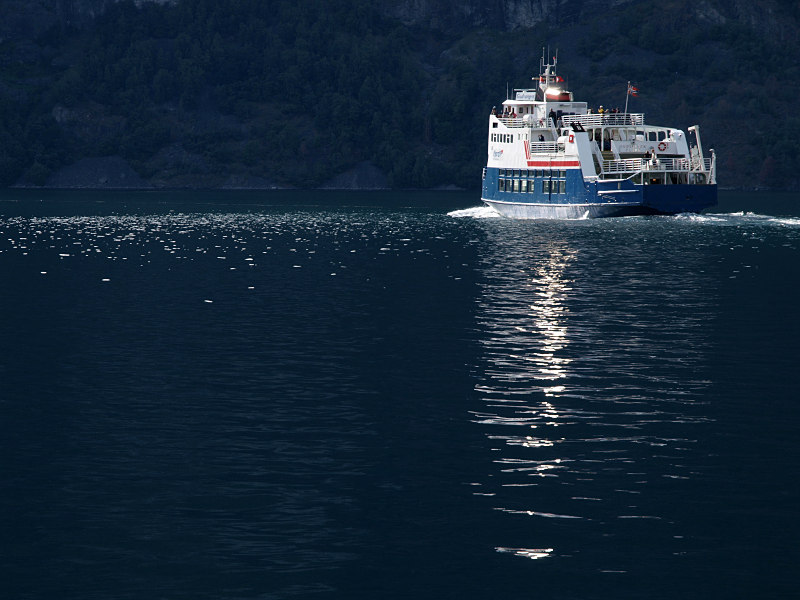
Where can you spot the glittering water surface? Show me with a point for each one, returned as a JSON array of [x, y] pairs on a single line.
[[395, 395]]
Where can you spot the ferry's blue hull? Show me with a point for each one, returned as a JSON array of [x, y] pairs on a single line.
[[573, 198]]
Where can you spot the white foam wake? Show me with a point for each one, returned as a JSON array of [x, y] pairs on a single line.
[[476, 212], [742, 217]]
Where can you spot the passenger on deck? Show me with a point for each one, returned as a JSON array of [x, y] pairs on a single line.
[[653, 162]]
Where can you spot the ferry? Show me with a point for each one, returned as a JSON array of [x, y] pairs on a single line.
[[550, 157]]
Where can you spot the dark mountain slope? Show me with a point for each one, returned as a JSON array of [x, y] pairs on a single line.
[[203, 93]]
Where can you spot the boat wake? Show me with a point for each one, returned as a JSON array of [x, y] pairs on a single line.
[[725, 219], [741, 218], [476, 212]]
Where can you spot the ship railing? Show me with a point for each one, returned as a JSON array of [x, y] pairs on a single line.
[[627, 165], [636, 165], [592, 120], [704, 164], [544, 147], [713, 167], [605, 120], [520, 121]]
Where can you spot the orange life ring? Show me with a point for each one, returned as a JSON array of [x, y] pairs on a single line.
[[571, 139], [662, 146]]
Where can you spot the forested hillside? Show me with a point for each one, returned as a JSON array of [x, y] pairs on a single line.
[[276, 93]]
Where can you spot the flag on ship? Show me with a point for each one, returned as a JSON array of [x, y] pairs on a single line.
[[632, 91]]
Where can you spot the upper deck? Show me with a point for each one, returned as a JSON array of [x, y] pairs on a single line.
[[587, 121], [546, 124]]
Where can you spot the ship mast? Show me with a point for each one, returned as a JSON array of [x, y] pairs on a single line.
[[547, 71]]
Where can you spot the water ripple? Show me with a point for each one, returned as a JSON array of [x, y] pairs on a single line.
[[594, 337]]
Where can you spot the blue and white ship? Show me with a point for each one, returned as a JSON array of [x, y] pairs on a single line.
[[553, 158]]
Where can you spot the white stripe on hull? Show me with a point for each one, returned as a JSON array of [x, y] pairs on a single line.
[[519, 210]]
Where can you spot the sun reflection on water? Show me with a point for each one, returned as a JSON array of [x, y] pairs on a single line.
[[580, 417], [536, 344]]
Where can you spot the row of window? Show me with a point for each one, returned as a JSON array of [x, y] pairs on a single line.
[[504, 138], [527, 173], [654, 136], [546, 186]]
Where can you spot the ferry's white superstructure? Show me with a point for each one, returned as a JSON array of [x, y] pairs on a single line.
[[551, 157]]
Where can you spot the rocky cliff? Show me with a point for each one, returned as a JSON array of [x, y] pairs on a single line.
[[26, 19], [507, 15], [766, 16]]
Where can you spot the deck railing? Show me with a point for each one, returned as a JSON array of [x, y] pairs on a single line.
[[605, 120], [707, 164], [634, 165], [522, 122], [544, 147], [593, 120]]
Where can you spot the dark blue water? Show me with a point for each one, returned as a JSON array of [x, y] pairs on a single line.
[[330, 395]]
